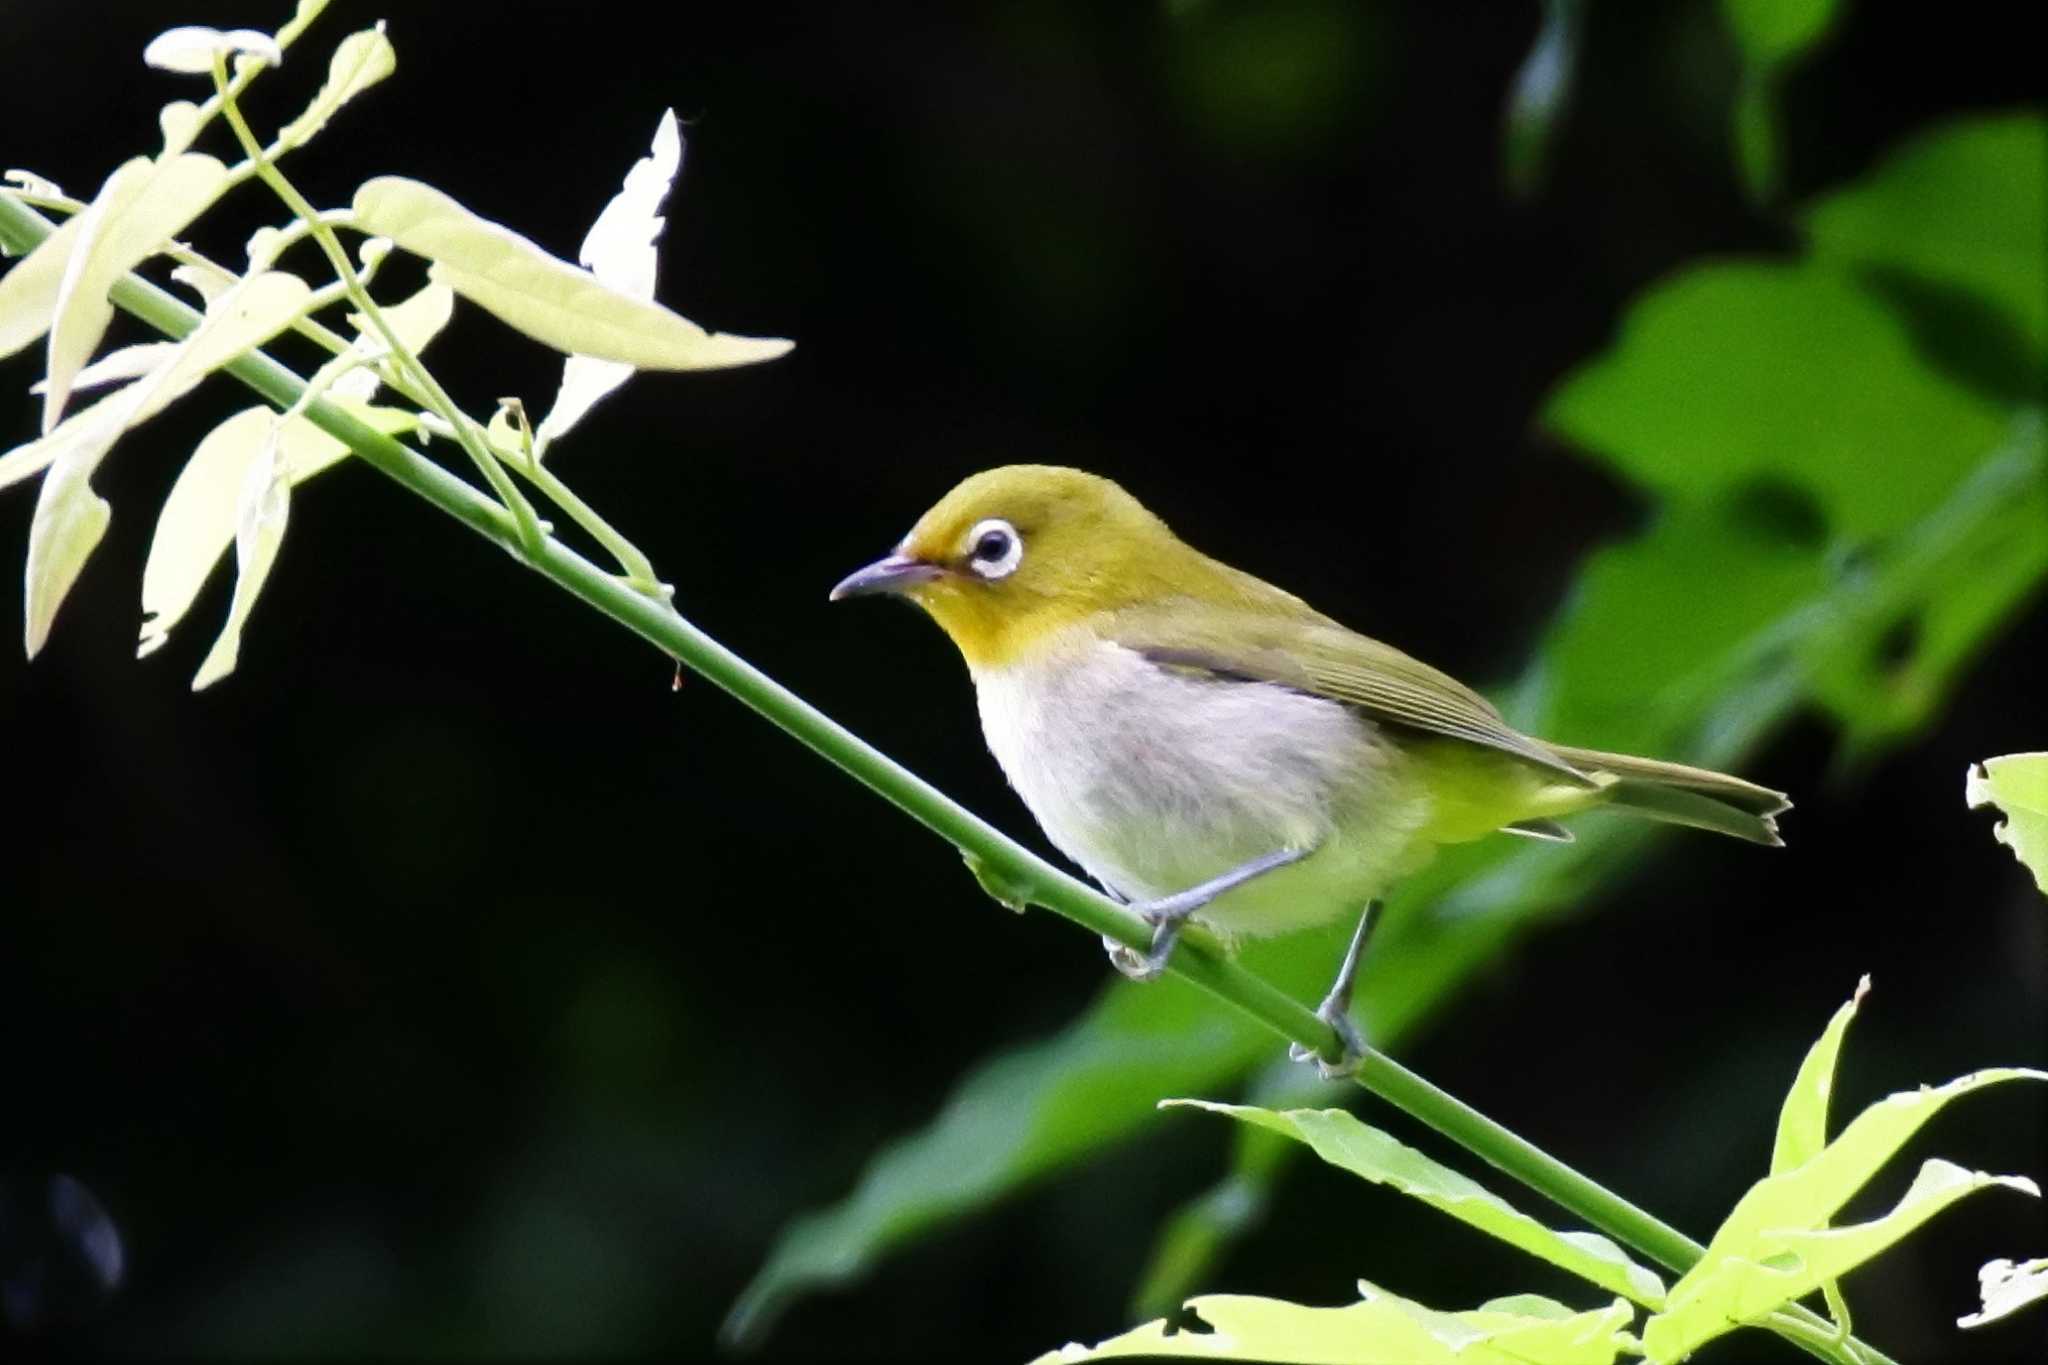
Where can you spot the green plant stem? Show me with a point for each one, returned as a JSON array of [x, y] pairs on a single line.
[[1010, 863]]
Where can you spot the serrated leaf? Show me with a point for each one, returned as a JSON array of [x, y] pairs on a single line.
[[543, 296], [1737, 1285], [359, 62], [1380, 1329], [2018, 785], [1344, 1141], [1965, 204], [1803, 1119], [142, 205], [2006, 1288]]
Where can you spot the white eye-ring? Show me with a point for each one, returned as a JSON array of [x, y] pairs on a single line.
[[994, 549]]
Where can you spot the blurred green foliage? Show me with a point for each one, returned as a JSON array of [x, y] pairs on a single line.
[[1846, 516]]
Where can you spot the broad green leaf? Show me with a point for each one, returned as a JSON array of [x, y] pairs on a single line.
[[190, 50], [1779, 1266], [621, 251], [1803, 1120], [141, 206], [28, 291], [1380, 1329], [197, 523], [359, 62], [1771, 32], [2006, 1288], [69, 520], [2018, 785], [262, 511], [1964, 205], [1746, 378], [550, 300], [1349, 1144]]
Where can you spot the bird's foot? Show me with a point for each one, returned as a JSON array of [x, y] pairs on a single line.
[[1338, 1016], [1129, 961]]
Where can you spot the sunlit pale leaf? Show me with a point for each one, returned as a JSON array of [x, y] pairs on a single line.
[[262, 509], [117, 366], [621, 251], [359, 62], [1380, 1329], [1778, 1266], [2018, 785], [190, 50], [197, 523], [1344, 1141], [1964, 205], [1803, 1119], [207, 284], [141, 206], [2006, 1288], [545, 297], [69, 520], [179, 122], [29, 183], [28, 291]]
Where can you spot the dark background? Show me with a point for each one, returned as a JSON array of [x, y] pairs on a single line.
[[442, 983]]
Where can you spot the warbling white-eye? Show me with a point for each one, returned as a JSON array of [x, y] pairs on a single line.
[[1210, 747]]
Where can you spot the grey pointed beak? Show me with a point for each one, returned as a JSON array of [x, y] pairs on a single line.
[[897, 573]]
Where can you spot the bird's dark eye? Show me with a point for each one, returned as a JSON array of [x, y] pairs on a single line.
[[994, 548]]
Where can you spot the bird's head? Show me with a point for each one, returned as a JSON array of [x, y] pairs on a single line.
[[1013, 556]]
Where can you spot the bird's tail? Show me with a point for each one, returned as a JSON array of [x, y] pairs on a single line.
[[1679, 795]]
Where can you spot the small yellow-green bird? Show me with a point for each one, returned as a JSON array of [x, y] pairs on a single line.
[[1208, 746]]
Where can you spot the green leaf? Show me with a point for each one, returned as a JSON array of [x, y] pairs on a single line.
[[359, 62], [263, 509], [2018, 785], [143, 204], [550, 300], [1772, 1268], [1964, 205], [2006, 1288], [1743, 378], [1381, 1329], [1803, 1120], [28, 291], [1344, 1141], [1773, 32]]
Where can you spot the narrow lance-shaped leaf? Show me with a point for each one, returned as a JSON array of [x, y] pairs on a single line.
[[141, 206], [2018, 785], [263, 508], [550, 300], [28, 291], [621, 251], [1777, 1267], [1380, 1329], [1346, 1142], [69, 520], [359, 62], [1803, 1120]]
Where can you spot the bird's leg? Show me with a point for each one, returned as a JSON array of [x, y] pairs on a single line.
[[1336, 1007], [1167, 914]]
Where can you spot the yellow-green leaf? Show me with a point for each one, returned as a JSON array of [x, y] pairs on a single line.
[[1803, 1120], [541, 295], [190, 50], [69, 520], [1344, 1141], [359, 62], [141, 206], [2018, 785], [263, 507], [28, 291], [1777, 1267], [1380, 1329]]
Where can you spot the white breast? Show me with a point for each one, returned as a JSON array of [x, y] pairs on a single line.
[[1155, 780]]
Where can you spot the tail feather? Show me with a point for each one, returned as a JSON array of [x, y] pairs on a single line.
[[1681, 795]]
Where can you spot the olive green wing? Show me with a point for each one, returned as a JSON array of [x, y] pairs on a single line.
[[1287, 644]]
